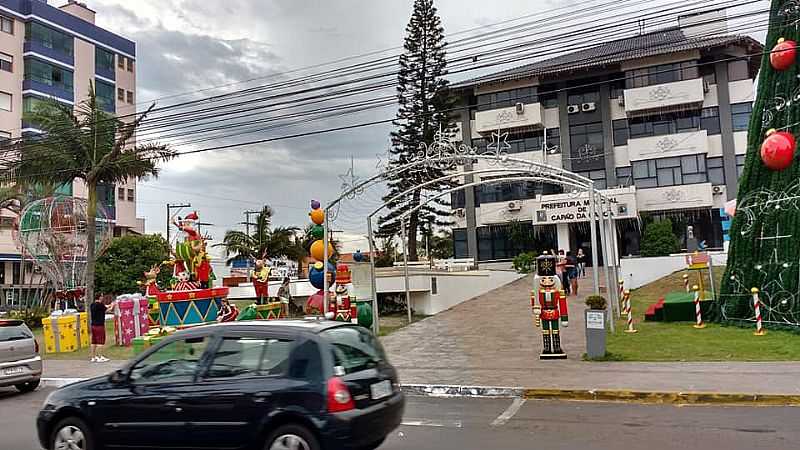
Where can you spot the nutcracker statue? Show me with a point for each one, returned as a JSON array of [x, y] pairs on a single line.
[[343, 306], [549, 306]]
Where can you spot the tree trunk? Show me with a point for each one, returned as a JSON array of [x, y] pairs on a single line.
[[91, 232], [413, 225]]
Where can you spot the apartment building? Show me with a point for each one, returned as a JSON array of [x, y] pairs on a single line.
[[658, 121], [49, 52]]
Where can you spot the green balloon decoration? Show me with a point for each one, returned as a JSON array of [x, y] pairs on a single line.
[[317, 231]]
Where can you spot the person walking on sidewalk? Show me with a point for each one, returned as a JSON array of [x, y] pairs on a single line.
[[572, 273], [562, 272], [581, 263], [97, 312]]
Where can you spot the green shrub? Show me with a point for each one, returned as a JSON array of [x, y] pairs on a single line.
[[596, 302], [32, 316], [659, 240], [525, 262]]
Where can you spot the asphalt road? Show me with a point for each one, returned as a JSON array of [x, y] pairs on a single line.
[[504, 424]]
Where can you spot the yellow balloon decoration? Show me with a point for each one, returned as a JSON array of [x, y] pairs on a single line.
[[318, 250], [317, 216]]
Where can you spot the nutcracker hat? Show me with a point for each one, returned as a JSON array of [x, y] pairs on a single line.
[[191, 216], [546, 266], [343, 274]]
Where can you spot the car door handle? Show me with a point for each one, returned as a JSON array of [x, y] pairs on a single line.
[[262, 397]]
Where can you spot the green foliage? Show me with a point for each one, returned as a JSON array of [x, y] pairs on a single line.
[[264, 241], [126, 260], [596, 302], [658, 239], [385, 257], [31, 315], [441, 245], [525, 262]]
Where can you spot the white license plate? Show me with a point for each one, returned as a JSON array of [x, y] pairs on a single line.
[[14, 370], [381, 390]]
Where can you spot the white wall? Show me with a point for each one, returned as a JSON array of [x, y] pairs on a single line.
[[455, 289], [640, 271]]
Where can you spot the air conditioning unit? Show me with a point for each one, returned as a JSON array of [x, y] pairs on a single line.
[[573, 109], [520, 109], [461, 213], [589, 107], [717, 190], [622, 209], [514, 206]]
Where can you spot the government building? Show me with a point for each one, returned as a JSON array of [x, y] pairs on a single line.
[[658, 121]]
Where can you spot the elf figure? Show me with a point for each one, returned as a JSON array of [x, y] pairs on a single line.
[[549, 306], [260, 278]]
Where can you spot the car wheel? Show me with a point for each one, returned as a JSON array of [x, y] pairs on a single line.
[[71, 434], [374, 445], [292, 437], [29, 386]]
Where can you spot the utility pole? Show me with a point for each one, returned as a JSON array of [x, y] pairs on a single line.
[[199, 224], [170, 207], [247, 224]]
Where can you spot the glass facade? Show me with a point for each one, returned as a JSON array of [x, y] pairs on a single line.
[[103, 60], [664, 73], [49, 75], [49, 38], [505, 99], [670, 171], [668, 123], [105, 95], [526, 142], [504, 242]]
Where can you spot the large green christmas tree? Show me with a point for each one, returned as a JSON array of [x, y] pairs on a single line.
[[765, 234]]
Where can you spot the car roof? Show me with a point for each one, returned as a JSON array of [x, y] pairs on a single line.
[[309, 325]]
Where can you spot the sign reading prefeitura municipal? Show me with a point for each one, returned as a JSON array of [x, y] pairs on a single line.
[[566, 208]]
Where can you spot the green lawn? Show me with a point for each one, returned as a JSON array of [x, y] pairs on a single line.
[[679, 341]]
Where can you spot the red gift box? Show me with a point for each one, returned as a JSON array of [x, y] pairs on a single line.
[[131, 319]]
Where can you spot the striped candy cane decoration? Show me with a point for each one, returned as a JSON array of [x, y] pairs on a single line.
[[629, 311], [686, 282], [760, 331], [621, 283], [697, 312]]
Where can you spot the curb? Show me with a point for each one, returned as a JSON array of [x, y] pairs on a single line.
[[597, 395]]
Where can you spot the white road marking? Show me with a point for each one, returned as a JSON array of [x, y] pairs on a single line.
[[509, 412], [431, 423]]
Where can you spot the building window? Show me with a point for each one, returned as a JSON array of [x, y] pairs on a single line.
[[586, 97], [740, 164], [549, 99], [525, 142], [670, 171], [121, 193], [506, 99], [130, 64], [49, 38], [716, 172], [553, 140], [740, 112], [709, 120], [5, 101], [103, 60], [120, 94], [48, 74], [616, 90], [620, 132], [6, 25], [661, 74], [624, 176], [130, 97], [120, 61], [460, 249], [105, 95], [598, 176], [709, 73], [130, 195], [738, 70], [587, 149], [6, 62]]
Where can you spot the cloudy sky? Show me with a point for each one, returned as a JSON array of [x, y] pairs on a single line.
[[186, 45]]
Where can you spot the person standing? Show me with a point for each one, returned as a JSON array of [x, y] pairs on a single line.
[[581, 257], [561, 271], [572, 273], [285, 294], [97, 312]]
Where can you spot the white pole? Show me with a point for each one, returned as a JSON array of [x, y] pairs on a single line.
[[405, 268], [373, 283], [593, 232], [325, 265]]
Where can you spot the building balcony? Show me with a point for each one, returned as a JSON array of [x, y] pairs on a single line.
[[528, 115], [639, 101], [665, 146], [43, 50], [56, 91]]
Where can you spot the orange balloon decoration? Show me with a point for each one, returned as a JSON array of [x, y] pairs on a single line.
[[318, 250], [317, 216]]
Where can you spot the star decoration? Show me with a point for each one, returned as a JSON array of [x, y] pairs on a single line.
[[499, 143]]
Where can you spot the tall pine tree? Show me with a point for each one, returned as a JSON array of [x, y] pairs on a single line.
[[765, 234], [424, 110]]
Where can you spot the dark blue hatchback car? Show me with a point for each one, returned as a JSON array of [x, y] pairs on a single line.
[[275, 385]]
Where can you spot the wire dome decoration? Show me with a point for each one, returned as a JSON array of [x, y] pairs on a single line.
[[52, 232]]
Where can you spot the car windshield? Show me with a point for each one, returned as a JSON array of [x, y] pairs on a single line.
[[14, 333], [354, 348]]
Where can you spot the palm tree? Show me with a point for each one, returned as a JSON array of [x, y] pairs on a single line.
[[88, 144], [263, 241]]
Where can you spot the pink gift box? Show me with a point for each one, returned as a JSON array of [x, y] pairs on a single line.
[[131, 319]]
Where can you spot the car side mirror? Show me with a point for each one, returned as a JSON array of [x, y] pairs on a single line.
[[118, 376]]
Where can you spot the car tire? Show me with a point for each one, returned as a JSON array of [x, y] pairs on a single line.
[[292, 437], [374, 445], [74, 430], [28, 386]]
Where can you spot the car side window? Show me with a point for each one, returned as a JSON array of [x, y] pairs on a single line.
[[245, 356], [177, 361]]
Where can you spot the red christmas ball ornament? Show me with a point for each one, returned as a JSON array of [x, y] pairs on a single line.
[[777, 150], [783, 55]]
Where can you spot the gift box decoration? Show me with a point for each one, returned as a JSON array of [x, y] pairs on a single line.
[[142, 343], [131, 318], [65, 333], [184, 308], [269, 311]]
